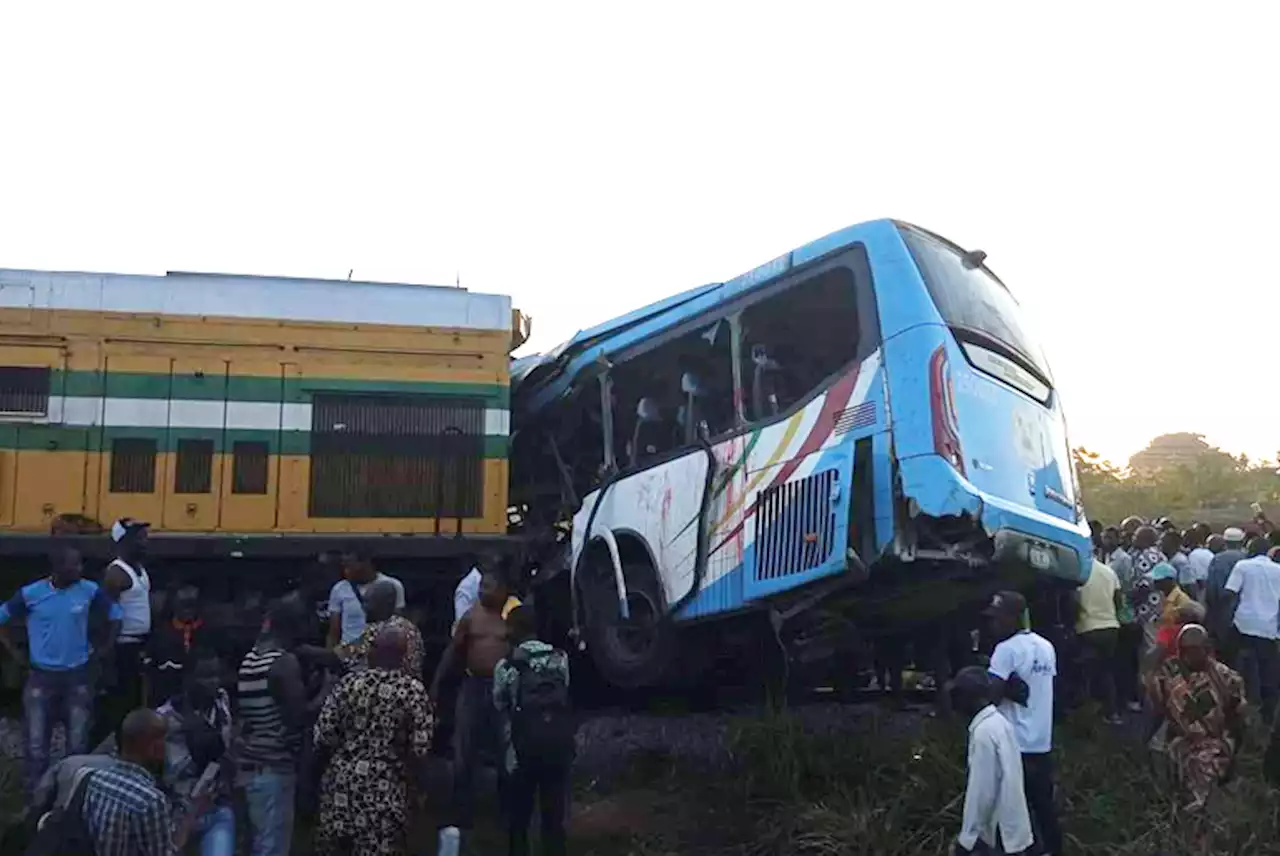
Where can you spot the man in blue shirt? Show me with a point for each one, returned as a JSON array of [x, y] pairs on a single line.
[[69, 620]]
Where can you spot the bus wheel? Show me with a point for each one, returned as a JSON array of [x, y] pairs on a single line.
[[630, 652]]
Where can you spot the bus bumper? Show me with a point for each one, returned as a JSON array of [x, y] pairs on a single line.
[[1021, 535]]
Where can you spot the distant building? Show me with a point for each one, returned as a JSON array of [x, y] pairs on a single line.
[[1170, 450]]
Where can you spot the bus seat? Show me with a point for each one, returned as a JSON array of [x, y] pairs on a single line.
[[764, 391], [645, 436], [691, 411]]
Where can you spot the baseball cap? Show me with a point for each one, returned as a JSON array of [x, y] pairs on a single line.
[[126, 526], [1006, 604], [1164, 571], [1234, 534]]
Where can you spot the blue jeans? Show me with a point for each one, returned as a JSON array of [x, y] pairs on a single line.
[[51, 697], [216, 831], [269, 797]]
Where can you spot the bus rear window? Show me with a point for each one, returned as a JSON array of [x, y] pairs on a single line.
[[972, 300]]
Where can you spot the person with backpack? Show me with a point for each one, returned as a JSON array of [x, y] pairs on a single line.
[[50, 823], [531, 693]]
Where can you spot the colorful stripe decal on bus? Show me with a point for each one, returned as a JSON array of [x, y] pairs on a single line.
[[834, 401]]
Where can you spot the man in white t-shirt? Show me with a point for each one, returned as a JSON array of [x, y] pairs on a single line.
[[1198, 560], [1253, 593], [346, 598], [1023, 666]]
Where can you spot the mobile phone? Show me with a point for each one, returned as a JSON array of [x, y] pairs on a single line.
[[206, 781]]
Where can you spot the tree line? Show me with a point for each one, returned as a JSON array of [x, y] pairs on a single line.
[[1214, 487]]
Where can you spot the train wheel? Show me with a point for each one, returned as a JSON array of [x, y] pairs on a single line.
[[630, 652]]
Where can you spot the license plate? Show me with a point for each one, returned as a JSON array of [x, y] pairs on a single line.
[[1041, 558]]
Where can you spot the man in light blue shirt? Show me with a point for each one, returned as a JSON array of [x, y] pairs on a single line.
[[346, 598], [69, 621]]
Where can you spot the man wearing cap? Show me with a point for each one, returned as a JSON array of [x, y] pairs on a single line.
[[1252, 597], [1216, 581], [995, 803], [1023, 666], [129, 584], [1164, 577]]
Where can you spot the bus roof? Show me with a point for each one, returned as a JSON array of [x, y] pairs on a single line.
[[547, 377]]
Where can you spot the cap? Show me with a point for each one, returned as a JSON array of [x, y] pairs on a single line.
[[126, 526], [1234, 534], [1164, 571], [1006, 604]]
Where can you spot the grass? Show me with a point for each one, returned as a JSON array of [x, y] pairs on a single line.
[[891, 790], [889, 785]]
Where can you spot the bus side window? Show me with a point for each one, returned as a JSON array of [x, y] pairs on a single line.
[[795, 340], [665, 394]]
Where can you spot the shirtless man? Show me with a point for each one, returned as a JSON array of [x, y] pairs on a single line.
[[480, 641]]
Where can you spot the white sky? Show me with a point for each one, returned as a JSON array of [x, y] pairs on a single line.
[[1117, 161]]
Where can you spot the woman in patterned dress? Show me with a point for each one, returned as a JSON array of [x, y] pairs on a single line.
[[377, 727], [1202, 702]]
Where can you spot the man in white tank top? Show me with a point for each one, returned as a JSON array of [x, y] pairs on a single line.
[[128, 582]]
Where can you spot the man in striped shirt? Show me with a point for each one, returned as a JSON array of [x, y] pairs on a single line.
[[273, 710], [125, 812]]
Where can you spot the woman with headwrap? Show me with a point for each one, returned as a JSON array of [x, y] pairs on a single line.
[[1167, 638], [1202, 704]]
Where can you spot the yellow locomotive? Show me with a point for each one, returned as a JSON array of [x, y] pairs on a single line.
[[248, 416]]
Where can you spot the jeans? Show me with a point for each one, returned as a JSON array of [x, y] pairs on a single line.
[[216, 831], [49, 697], [1099, 666], [269, 798], [475, 730], [1258, 661], [1037, 784], [549, 785], [125, 696]]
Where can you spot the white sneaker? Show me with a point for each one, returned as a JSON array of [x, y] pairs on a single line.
[[1135, 707]]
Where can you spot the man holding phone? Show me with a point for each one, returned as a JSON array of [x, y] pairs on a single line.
[[195, 769]]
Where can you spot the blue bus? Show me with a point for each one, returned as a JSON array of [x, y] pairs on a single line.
[[862, 426]]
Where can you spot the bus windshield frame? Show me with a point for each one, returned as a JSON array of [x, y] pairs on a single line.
[[973, 301]]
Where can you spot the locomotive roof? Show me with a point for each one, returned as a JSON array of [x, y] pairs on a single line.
[[264, 297]]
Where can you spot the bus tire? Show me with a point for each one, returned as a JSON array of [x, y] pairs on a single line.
[[634, 652]]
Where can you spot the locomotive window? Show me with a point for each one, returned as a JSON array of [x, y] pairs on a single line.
[[249, 467], [24, 390], [133, 465], [795, 340], [194, 470]]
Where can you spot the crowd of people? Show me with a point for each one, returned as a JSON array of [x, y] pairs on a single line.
[[212, 747], [1178, 628], [205, 741]]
